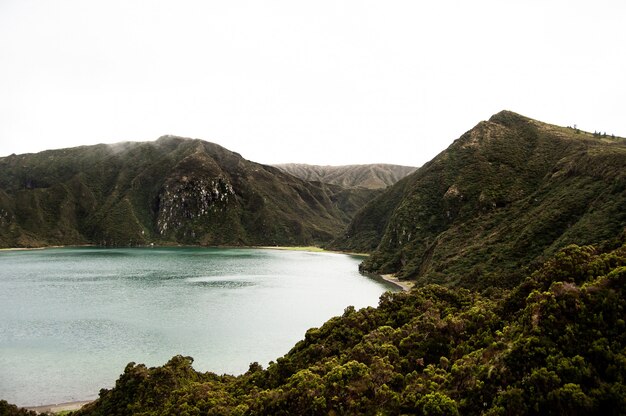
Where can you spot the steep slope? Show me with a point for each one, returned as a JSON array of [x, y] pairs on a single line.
[[372, 176], [170, 191], [504, 195]]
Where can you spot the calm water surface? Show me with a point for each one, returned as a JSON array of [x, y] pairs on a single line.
[[72, 318]]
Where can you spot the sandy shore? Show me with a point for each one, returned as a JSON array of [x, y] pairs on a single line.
[[42, 248], [313, 249], [61, 407], [25, 248], [403, 284]]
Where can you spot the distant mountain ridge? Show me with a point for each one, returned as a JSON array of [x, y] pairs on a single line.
[[371, 176], [171, 191], [505, 195]]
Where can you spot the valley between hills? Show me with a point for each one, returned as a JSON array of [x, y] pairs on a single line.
[[514, 238]]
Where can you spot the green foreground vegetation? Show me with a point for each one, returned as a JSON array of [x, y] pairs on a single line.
[[555, 344]]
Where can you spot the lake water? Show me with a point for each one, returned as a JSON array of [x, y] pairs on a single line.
[[72, 318]]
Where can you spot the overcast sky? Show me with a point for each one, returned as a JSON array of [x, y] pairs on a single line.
[[321, 82]]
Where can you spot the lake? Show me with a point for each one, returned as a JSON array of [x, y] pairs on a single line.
[[72, 318]]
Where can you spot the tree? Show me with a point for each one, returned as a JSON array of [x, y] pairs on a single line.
[[437, 404]]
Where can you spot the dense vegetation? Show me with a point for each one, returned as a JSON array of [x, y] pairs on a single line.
[[555, 344], [504, 196], [171, 191], [372, 176], [7, 409]]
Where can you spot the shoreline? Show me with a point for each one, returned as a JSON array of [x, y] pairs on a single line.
[[59, 407], [43, 248], [406, 286], [311, 249]]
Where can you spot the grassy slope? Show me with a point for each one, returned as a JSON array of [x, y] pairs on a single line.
[[506, 194], [371, 176], [170, 191]]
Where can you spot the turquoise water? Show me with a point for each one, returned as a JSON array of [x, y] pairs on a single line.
[[72, 318]]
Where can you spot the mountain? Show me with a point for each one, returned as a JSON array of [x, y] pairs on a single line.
[[372, 176], [171, 191], [502, 197]]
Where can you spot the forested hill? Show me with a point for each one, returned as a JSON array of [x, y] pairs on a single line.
[[171, 191], [501, 198], [371, 176]]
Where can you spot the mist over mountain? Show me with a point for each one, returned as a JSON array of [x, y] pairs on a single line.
[[371, 176], [171, 191], [505, 195]]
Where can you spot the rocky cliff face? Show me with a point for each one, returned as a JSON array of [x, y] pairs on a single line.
[[188, 199], [171, 191]]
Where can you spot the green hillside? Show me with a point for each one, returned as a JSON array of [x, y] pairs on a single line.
[[501, 198], [371, 176], [171, 191]]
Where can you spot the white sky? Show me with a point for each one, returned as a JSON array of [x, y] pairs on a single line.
[[322, 82]]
